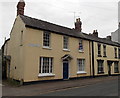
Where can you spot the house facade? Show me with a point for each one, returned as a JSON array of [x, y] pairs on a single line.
[[40, 50], [106, 59]]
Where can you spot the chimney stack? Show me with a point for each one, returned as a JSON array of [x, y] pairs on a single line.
[[108, 38], [95, 33], [78, 25], [20, 7]]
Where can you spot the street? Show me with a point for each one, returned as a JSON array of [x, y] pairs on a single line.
[[99, 86], [107, 88]]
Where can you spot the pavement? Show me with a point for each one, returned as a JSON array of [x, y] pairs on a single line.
[[46, 87]]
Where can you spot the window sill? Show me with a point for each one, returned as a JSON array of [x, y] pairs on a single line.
[[66, 50], [116, 72], [80, 51], [99, 56], [101, 73], [81, 72], [48, 48], [46, 75], [104, 56]]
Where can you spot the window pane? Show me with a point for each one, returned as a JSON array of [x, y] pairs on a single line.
[[65, 42], [100, 67], [81, 45], [46, 39], [46, 64], [81, 65]]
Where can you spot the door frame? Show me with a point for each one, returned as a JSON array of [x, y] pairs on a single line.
[[68, 68]]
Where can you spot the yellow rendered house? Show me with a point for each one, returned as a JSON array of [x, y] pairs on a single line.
[[40, 50]]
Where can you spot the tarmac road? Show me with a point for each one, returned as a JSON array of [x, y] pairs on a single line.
[[99, 86], [106, 88]]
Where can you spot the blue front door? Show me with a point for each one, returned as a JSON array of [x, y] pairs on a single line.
[[65, 69]]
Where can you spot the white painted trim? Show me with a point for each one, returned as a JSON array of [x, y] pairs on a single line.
[[44, 47], [66, 50], [81, 51], [81, 72], [46, 75]]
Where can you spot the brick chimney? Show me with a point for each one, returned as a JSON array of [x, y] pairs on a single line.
[[95, 33], [78, 25], [20, 7]]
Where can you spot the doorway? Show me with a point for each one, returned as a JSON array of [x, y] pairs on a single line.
[[65, 69]]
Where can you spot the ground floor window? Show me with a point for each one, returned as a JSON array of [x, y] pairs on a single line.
[[81, 65], [46, 65], [100, 67], [116, 68]]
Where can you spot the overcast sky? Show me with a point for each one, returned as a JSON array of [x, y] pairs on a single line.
[[95, 14]]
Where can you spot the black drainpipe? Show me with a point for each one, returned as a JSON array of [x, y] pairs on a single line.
[[93, 59]]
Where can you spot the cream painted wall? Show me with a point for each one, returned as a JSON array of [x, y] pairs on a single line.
[[110, 56], [17, 51], [33, 54], [26, 57], [7, 48]]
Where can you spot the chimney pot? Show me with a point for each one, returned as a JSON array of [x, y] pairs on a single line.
[[95, 33], [78, 25]]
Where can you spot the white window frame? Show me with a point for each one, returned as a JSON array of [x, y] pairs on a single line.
[[65, 43], [116, 66], [48, 41], [41, 73], [81, 70], [81, 45], [100, 66]]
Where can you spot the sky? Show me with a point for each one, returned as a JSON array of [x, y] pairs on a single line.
[[101, 15]]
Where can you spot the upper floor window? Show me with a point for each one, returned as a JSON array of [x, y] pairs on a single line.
[[46, 65], [104, 50], [99, 50], [116, 68], [100, 67], [65, 42], [119, 53], [46, 39], [80, 45], [115, 49], [81, 65]]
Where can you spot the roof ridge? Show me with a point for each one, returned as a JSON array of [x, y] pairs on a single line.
[[44, 25]]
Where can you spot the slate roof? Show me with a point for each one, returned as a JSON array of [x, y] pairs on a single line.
[[44, 25]]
